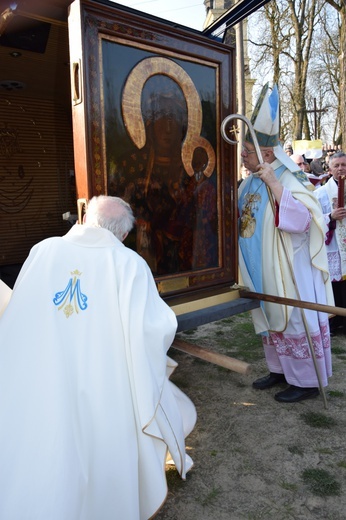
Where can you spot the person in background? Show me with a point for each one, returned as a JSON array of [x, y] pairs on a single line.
[[328, 155], [87, 412], [244, 172], [335, 217], [317, 175], [288, 150], [300, 161], [299, 271]]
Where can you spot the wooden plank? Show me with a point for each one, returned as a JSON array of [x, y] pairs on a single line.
[[212, 357]]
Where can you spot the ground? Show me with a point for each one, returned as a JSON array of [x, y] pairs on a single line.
[[255, 458]]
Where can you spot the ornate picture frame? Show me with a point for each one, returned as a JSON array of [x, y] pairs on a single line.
[[155, 99]]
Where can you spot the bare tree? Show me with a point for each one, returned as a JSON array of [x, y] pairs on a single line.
[[324, 78], [303, 18], [340, 7], [278, 39], [288, 44]]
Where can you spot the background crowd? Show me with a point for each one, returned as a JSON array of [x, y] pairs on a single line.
[[317, 169]]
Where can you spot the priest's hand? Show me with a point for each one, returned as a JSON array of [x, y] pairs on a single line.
[[266, 173], [338, 214]]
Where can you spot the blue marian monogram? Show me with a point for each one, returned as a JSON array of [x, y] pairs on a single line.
[[71, 299]]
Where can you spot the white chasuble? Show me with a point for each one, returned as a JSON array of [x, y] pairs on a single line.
[[5, 295], [87, 412]]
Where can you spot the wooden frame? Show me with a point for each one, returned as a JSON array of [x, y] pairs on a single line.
[[123, 65]]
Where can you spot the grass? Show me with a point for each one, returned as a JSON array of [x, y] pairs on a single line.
[[190, 332], [213, 453], [325, 451], [234, 336], [338, 350], [321, 482], [289, 486], [211, 497], [296, 450], [318, 420], [336, 393]]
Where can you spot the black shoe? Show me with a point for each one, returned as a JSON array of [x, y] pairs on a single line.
[[292, 394], [268, 381]]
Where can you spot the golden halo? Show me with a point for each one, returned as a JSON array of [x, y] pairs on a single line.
[[133, 117]]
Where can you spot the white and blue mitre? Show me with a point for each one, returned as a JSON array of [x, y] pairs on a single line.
[[266, 124]]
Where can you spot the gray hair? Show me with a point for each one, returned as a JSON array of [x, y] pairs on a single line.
[[110, 213], [337, 155]]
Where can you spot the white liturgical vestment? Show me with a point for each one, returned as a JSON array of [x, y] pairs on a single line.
[[87, 412]]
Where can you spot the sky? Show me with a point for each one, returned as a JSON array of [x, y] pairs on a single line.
[[190, 13]]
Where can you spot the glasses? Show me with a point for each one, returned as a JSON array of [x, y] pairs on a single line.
[[248, 152]]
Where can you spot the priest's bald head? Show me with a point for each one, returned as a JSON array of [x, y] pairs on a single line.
[[110, 213]]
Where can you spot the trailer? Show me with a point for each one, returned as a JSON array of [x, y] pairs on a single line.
[[97, 98]]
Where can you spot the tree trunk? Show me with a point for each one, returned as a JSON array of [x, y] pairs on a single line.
[[340, 6], [342, 75]]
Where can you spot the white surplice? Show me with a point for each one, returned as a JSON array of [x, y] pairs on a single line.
[[87, 412], [336, 248]]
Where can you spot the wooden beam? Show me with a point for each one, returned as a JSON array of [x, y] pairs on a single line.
[[212, 357], [291, 302]]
